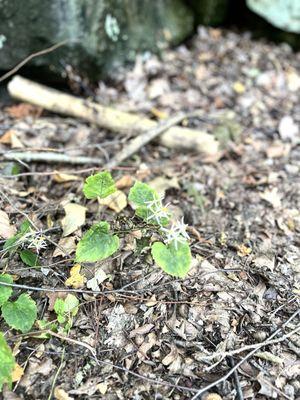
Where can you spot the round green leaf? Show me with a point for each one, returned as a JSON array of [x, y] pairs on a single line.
[[29, 258], [5, 291], [141, 193], [99, 185], [21, 313], [97, 244], [7, 362], [175, 261]]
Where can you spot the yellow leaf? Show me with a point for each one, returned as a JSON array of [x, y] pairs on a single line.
[[61, 178], [50, 222], [243, 250], [239, 88], [61, 394], [159, 113], [74, 219], [17, 373], [10, 137], [76, 280], [117, 201], [212, 396]]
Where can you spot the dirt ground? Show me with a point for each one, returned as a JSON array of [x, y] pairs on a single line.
[[153, 336]]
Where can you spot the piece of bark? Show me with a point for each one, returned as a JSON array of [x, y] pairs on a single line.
[[109, 118]]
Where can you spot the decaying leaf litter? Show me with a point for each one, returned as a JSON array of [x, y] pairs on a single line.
[[160, 337]]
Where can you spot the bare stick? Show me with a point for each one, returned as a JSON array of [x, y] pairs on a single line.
[[109, 118], [30, 57], [239, 392], [135, 144], [249, 355], [47, 156]]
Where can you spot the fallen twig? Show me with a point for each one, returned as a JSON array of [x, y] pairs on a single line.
[[239, 392], [47, 156], [135, 144], [109, 118], [30, 57]]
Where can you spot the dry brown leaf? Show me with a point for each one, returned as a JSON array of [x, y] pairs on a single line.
[[61, 178], [142, 330], [117, 201], [125, 182], [161, 184], [264, 262], [278, 149], [6, 230], [89, 387], [74, 219], [169, 358], [159, 113], [243, 250], [212, 396], [102, 387], [93, 283], [272, 197], [60, 394], [76, 280], [148, 343], [6, 137], [17, 373], [23, 110], [67, 244], [10, 137], [52, 296]]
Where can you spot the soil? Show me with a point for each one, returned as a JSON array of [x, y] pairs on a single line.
[[154, 336]]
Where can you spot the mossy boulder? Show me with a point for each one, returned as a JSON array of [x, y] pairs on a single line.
[[102, 34]]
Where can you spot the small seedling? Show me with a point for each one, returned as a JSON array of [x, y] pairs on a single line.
[[172, 254], [66, 309], [7, 363], [22, 243], [19, 314]]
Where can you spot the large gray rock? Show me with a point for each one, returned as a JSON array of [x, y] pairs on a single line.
[[284, 14], [102, 34]]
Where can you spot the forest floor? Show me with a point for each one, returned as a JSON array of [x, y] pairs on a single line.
[[154, 336]]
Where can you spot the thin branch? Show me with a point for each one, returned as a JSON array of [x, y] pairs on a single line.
[[50, 157], [244, 348], [239, 392], [142, 139], [119, 292], [30, 57], [249, 355]]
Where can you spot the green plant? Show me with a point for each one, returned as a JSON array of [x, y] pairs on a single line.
[[65, 310], [27, 238], [172, 254], [7, 362], [19, 314]]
